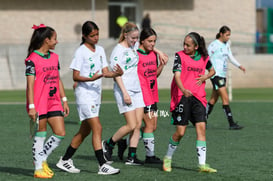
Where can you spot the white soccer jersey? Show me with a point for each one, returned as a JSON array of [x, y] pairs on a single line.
[[219, 54], [88, 63], [127, 58]]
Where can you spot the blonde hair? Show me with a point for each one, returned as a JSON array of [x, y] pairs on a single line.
[[128, 27]]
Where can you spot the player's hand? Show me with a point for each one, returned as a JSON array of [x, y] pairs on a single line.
[[242, 68], [32, 113], [187, 93], [96, 76], [163, 58], [201, 79], [127, 99], [75, 85], [118, 70], [66, 109]]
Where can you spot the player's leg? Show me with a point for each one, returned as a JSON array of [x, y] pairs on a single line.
[[199, 119], [225, 100], [173, 143], [104, 168], [150, 123], [109, 144], [201, 148], [214, 95], [37, 149], [66, 163], [135, 116], [56, 122]]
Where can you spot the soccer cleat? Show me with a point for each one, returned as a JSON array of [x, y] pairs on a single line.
[[107, 152], [235, 126], [41, 174], [167, 164], [133, 161], [106, 169], [47, 169], [206, 168], [122, 145], [153, 159], [67, 165]]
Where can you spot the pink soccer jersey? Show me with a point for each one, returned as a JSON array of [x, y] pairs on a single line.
[[46, 85], [147, 73], [190, 70]]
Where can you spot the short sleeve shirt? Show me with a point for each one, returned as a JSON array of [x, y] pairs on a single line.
[[88, 63], [127, 58]]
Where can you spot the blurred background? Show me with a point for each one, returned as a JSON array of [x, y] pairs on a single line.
[[251, 23]]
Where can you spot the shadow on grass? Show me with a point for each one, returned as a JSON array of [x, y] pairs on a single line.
[[17, 171]]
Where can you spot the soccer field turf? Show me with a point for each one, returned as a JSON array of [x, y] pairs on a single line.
[[237, 155]]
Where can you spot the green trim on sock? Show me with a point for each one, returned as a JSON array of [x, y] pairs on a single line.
[[60, 137], [175, 143], [148, 135], [201, 143], [41, 134]]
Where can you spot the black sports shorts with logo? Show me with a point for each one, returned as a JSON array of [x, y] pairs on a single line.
[[188, 109]]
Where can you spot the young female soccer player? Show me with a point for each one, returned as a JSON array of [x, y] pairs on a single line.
[[89, 65], [188, 97], [127, 93], [148, 71], [44, 94], [219, 52]]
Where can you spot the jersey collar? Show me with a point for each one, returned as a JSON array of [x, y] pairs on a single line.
[[46, 56]]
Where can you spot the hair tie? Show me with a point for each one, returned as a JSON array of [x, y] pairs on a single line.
[[37, 27]]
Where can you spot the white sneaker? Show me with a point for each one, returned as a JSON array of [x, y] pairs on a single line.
[[106, 169], [67, 165]]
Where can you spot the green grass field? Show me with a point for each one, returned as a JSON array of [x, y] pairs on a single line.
[[237, 155]]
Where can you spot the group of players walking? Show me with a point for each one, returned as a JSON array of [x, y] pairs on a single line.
[[135, 65]]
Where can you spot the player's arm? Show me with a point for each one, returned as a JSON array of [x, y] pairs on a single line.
[[30, 76], [78, 78], [177, 76], [64, 98], [117, 71], [126, 96], [159, 68], [30, 96], [203, 78], [234, 61], [162, 56], [179, 84]]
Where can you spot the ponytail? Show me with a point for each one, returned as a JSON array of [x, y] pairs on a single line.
[[222, 30]]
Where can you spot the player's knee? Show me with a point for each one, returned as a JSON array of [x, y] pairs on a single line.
[[131, 126], [60, 133]]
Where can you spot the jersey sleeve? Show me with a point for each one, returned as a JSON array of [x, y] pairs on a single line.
[[212, 49], [104, 60], [30, 68], [177, 63], [209, 65], [116, 58], [231, 57], [77, 61]]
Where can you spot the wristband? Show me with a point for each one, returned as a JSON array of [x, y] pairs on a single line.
[[31, 106], [64, 99]]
